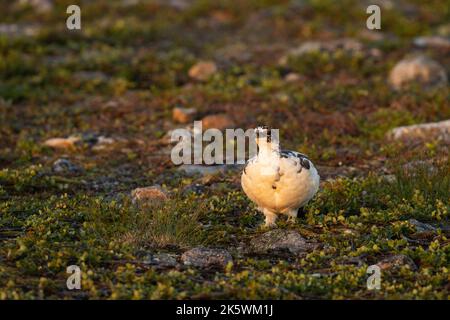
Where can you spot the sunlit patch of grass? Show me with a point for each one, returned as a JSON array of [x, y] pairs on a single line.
[[421, 192], [171, 224]]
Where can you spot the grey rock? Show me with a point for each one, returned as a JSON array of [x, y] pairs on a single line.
[[192, 169], [281, 240], [420, 226], [166, 260], [396, 261], [104, 184], [65, 166], [206, 257], [195, 188], [424, 131]]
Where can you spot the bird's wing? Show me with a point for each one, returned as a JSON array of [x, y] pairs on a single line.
[[302, 158]]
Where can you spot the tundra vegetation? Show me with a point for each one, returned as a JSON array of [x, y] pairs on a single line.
[[309, 68]]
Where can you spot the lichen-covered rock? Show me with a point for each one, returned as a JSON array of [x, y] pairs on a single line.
[[206, 257], [202, 70], [65, 166], [183, 115], [165, 260], [396, 261], [421, 227], [418, 69], [217, 121], [149, 195], [281, 240], [425, 131]]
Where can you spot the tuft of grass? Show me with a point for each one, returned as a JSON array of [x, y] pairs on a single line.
[[172, 224]]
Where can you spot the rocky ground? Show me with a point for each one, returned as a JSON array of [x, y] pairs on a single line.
[[86, 177]]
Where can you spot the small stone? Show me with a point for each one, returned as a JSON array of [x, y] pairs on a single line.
[[421, 227], [202, 70], [281, 240], [206, 257], [396, 261], [183, 115], [217, 121], [61, 143], [66, 166], [425, 131], [419, 69], [292, 77], [165, 260], [195, 188], [153, 194], [193, 169], [432, 42]]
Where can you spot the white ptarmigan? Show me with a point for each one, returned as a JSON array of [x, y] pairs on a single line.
[[279, 182]]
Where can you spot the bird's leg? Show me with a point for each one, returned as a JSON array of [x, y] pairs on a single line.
[[270, 218], [292, 215]]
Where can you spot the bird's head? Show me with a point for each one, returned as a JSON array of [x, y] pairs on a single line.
[[267, 139]]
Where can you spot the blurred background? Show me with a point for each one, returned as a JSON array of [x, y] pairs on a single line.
[[310, 68]]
